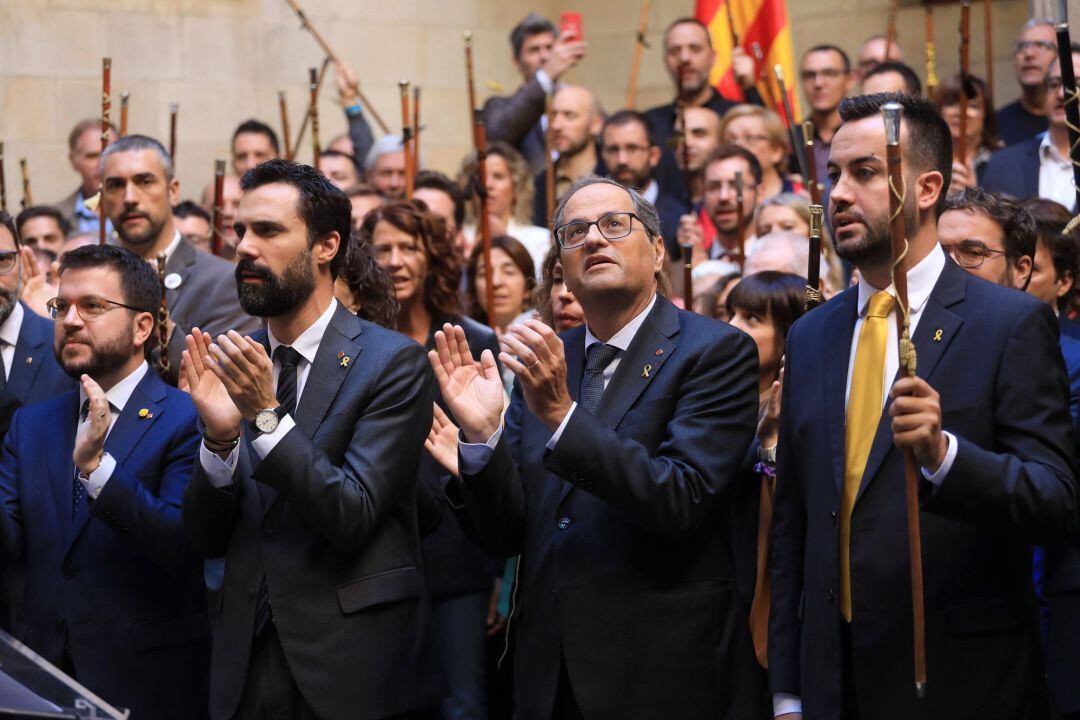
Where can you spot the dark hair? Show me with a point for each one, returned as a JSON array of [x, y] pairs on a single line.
[[533, 24], [187, 208], [521, 258], [628, 117], [776, 295], [256, 127], [707, 302], [826, 47], [9, 223], [138, 280], [687, 20], [43, 211], [1017, 225], [434, 180], [338, 153], [138, 143], [726, 151], [948, 93], [370, 285], [911, 80], [929, 138], [323, 207], [1050, 221], [444, 263]]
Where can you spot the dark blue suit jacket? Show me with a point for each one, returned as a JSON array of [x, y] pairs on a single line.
[[1003, 392], [118, 582], [1014, 171], [35, 375], [626, 573]]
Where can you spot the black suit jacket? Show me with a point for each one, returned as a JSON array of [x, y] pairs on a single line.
[[515, 120], [1011, 484], [626, 573], [329, 517], [1014, 171]]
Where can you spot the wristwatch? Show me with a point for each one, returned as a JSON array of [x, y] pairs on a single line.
[[766, 455], [266, 421]]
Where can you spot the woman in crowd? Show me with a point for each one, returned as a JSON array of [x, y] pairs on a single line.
[[761, 131], [982, 133], [712, 302], [555, 304], [513, 278], [365, 288], [791, 212]]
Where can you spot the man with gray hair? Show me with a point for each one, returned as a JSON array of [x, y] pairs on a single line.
[[139, 190], [610, 477], [1033, 51], [384, 166]]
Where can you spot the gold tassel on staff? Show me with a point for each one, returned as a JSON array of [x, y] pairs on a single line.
[[28, 197], [106, 103], [639, 49], [313, 109], [284, 110], [174, 111], [931, 50], [124, 112], [218, 238]]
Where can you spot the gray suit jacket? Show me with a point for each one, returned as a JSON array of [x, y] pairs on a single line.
[[515, 120], [67, 208], [206, 298]]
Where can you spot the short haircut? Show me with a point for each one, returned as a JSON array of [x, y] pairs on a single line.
[[383, 146], [1037, 22], [188, 208], [779, 296], [84, 125], [257, 127], [726, 151], [1050, 221], [532, 25], [911, 81], [928, 136], [1017, 225], [138, 280], [687, 20], [434, 180], [323, 208], [644, 209], [629, 117], [48, 211], [520, 257], [137, 143], [826, 47], [9, 223]]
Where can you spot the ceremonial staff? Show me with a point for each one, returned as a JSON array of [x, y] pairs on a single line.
[[174, 112], [1072, 110], [284, 111], [898, 232], [740, 220], [483, 222], [811, 166], [684, 150], [965, 39], [306, 25], [890, 28], [789, 116], [124, 112], [639, 49], [549, 161], [813, 263], [406, 138], [763, 78], [162, 321], [219, 201], [106, 102], [313, 113], [416, 131], [931, 50], [3, 182], [988, 39], [28, 197], [307, 113]]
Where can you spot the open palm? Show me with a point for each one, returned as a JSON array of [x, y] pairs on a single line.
[[474, 395], [217, 410]]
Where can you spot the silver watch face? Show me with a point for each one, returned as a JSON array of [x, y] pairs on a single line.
[[266, 421]]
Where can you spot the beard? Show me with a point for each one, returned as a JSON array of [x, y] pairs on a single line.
[[152, 232], [105, 357], [276, 296], [630, 177], [875, 245], [8, 298]]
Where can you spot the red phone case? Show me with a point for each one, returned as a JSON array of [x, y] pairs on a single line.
[[570, 23]]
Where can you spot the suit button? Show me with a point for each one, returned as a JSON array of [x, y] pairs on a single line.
[[833, 516], [69, 572], [564, 523], [832, 596]]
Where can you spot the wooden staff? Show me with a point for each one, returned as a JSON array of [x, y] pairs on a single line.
[[811, 166], [106, 104], [162, 322], [3, 182], [283, 109], [639, 49], [416, 129], [763, 78], [406, 138], [813, 263], [482, 219], [124, 95], [898, 232], [686, 249], [28, 197], [313, 113], [740, 220], [890, 28], [965, 40], [549, 161], [931, 50], [219, 202], [174, 112], [789, 116], [307, 113], [988, 40], [1072, 110], [306, 25]]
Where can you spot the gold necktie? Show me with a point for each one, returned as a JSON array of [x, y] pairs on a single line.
[[863, 415]]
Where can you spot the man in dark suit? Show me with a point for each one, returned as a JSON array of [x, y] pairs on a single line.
[[994, 451], [91, 484], [306, 479], [139, 191], [612, 478], [541, 59]]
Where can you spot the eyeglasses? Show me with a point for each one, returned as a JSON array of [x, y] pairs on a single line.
[[612, 150], [613, 226], [1021, 45], [970, 254], [828, 74], [7, 261], [88, 307]]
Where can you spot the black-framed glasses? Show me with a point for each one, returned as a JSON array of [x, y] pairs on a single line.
[[1021, 45], [8, 258], [970, 254], [88, 307], [613, 226]]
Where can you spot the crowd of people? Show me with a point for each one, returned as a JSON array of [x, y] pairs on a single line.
[[362, 464]]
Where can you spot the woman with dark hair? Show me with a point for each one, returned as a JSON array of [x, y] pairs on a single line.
[[982, 133], [555, 304], [513, 277], [365, 287]]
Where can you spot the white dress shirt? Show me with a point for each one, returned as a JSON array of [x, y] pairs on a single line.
[[9, 337], [1055, 174], [220, 472], [118, 396], [537, 240]]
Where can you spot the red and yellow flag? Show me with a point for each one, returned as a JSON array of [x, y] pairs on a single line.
[[764, 22]]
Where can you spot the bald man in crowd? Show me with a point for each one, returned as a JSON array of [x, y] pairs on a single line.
[[576, 122]]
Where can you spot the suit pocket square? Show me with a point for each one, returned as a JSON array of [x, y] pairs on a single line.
[[382, 587]]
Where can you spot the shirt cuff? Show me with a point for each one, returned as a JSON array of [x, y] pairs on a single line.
[[559, 430], [938, 477], [220, 472], [474, 456], [546, 83], [265, 443], [784, 703], [95, 482]]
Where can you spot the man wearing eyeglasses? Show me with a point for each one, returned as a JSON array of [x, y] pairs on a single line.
[[91, 484], [826, 77], [1033, 51], [610, 477]]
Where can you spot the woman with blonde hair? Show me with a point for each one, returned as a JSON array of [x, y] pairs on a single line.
[[790, 212], [761, 131]]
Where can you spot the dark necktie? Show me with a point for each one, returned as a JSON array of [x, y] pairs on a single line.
[[3, 368], [597, 357], [288, 359], [78, 491]]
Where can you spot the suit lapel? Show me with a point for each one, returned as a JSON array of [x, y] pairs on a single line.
[[1031, 177], [59, 462], [29, 356], [180, 263], [838, 334]]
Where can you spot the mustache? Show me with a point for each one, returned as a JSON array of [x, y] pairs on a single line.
[[248, 268]]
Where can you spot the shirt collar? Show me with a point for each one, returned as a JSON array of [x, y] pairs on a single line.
[[651, 191], [1047, 151], [9, 329], [172, 246], [308, 342], [119, 394], [80, 206], [920, 281], [625, 336]]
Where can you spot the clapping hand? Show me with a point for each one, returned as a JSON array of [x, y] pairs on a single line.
[[90, 440], [216, 408], [442, 441], [473, 394], [534, 353]]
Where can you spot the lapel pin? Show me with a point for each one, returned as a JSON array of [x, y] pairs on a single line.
[[937, 335], [659, 352], [345, 359], [145, 414], [29, 360], [173, 280], [646, 370]]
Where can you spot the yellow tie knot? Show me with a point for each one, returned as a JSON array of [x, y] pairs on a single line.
[[881, 304]]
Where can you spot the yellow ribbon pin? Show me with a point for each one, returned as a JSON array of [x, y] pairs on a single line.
[[937, 335], [646, 370], [144, 413]]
